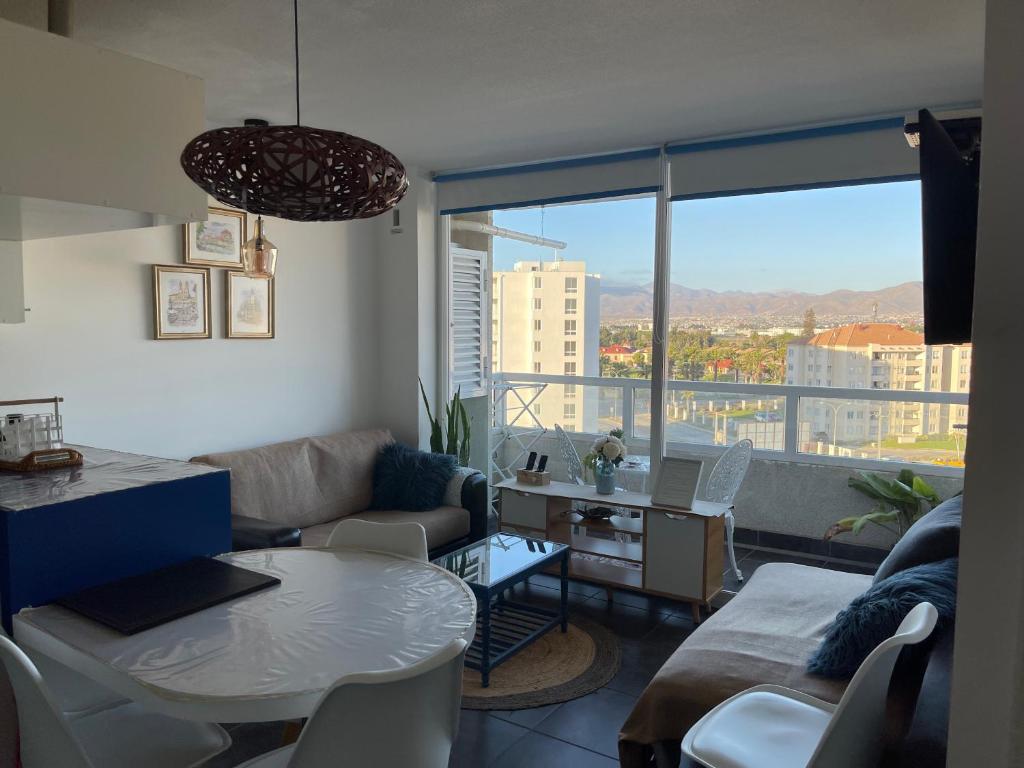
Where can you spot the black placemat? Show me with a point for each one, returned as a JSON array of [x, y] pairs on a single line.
[[148, 600]]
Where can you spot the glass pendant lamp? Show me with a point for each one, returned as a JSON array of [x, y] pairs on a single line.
[[259, 256]]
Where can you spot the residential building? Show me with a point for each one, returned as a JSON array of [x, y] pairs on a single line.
[[546, 320], [618, 353], [876, 356]]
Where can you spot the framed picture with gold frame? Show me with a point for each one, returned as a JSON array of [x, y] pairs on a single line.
[[181, 302], [250, 307], [218, 241]]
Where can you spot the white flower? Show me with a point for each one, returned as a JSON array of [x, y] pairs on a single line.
[[610, 447]]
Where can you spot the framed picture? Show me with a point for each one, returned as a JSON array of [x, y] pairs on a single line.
[[677, 483], [250, 307], [218, 241], [181, 302]]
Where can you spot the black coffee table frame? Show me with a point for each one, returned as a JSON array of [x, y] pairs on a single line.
[[505, 627]]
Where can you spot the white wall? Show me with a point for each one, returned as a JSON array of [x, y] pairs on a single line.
[[406, 313], [987, 718], [89, 338]]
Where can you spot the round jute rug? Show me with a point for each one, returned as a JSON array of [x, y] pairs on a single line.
[[554, 668]]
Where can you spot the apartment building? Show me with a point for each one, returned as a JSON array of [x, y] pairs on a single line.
[[546, 320], [876, 356]]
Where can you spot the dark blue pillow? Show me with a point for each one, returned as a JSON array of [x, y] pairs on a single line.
[[407, 479], [874, 616]]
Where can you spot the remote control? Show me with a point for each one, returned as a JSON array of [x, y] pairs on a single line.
[[531, 461], [543, 463]]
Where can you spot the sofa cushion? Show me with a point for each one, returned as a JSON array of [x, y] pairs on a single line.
[[763, 635], [934, 537], [303, 482], [443, 525], [273, 482], [875, 616], [343, 465], [405, 478]]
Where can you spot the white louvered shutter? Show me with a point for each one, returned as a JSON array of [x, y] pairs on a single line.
[[467, 322]]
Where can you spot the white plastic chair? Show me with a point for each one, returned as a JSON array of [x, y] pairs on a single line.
[[724, 483], [573, 465], [124, 736], [405, 539], [769, 726], [75, 694], [404, 718]]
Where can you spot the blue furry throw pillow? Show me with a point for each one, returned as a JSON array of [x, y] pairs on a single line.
[[874, 616], [411, 480]]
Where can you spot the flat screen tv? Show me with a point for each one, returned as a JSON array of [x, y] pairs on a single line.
[[950, 163]]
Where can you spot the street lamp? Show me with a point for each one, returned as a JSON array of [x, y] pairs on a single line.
[[835, 420]]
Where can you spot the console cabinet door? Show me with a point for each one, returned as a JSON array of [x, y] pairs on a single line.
[[674, 559], [522, 509]]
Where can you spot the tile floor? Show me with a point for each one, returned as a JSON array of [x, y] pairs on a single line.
[[579, 733]]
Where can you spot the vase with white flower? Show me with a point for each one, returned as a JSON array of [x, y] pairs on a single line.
[[605, 455]]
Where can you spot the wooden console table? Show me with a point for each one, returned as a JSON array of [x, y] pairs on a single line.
[[668, 552]]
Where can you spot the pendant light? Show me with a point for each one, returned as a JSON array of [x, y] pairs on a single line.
[[294, 171], [259, 255]]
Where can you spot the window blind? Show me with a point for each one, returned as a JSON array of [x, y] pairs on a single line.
[[864, 152], [559, 181]]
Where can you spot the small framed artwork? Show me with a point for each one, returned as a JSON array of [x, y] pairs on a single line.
[[218, 241], [181, 302], [250, 307]]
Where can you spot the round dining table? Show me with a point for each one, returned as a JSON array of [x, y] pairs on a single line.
[[272, 654]]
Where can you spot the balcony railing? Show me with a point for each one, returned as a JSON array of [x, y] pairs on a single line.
[[864, 428]]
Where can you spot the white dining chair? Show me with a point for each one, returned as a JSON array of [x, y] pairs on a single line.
[[405, 539], [406, 718], [570, 456], [122, 736], [724, 483], [75, 694], [769, 726]]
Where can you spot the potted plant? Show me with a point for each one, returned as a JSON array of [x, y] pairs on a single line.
[[454, 438], [899, 503], [606, 453]]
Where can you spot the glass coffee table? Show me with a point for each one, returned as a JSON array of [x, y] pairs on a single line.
[[492, 566]]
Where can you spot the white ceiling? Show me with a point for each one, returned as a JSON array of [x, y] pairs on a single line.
[[463, 83]]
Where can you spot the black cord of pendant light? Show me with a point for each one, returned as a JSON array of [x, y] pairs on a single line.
[[298, 120]]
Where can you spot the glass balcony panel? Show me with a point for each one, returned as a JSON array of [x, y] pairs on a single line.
[[919, 433]]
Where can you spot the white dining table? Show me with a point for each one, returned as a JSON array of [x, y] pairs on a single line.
[[272, 654]]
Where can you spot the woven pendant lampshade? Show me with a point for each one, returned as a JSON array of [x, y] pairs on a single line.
[[294, 171]]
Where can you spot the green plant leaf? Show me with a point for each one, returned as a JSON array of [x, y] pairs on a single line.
[[925, 491], [435, 427], [878, 518], [465, 445]]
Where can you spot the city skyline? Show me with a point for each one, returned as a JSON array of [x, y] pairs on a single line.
[[858, 238]]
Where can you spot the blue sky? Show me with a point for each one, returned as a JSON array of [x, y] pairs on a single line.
[[860, 238]]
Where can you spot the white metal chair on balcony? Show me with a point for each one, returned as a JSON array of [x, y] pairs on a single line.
[[769, 726], [573, 465], [724, 483], [405, 539], [403, 718], [123, 736]]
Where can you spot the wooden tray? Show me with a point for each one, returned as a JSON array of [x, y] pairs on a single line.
[[52, 458]]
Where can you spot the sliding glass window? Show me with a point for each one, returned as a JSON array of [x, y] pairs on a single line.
[[570, 306], [778, 297]]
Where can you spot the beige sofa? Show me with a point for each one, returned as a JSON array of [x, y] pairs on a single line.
[[311, 483], [766, 634]]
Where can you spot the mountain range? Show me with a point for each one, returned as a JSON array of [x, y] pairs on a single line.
[[897, 301]]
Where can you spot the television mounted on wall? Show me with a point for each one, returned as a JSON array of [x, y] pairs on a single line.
[[950, 165]]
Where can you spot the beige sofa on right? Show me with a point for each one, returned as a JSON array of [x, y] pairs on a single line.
[[767, 633]]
